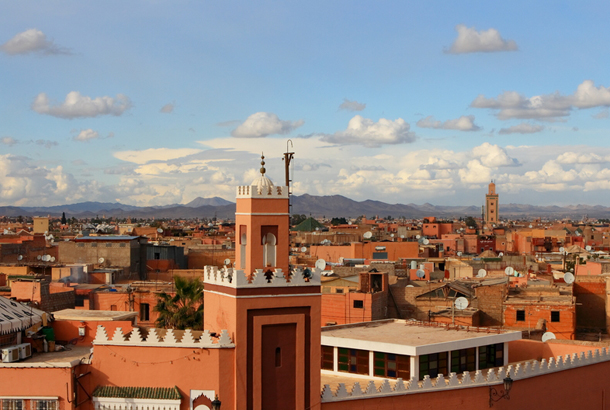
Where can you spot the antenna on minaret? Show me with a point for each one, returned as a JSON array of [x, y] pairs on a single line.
[[288, 156]]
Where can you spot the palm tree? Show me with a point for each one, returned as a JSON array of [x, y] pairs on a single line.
[[184, 310]]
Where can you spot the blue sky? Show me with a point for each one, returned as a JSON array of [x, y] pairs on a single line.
[[158, 102]]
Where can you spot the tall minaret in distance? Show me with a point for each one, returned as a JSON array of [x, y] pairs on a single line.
[[491, 205]]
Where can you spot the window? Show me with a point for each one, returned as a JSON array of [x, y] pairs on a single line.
[[122, 245], [353, 361], [432, 365], [144, 312], [358, 304], [554, 316], [93, 245], [491, 356], [80, 245], [520, 315], [380, 255], [113, 308], [108, 245], [391, 365], [339, 290], [9, 404], [157, 255], [463, 360], [79, 300], [44, 404], [327, 357]]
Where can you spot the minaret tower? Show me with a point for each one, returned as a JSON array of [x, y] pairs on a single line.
[[271, 314], [491, 205]]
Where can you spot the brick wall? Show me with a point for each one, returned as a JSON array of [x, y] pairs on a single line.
[[590, 293], [490, 301], [405, 299], [534, 313], [339, 308]]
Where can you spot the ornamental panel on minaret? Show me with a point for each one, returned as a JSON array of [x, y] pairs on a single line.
[[491, 205]]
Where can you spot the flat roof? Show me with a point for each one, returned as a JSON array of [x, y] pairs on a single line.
[[412, 338], [65, 358], [105, 238], [98, 315]]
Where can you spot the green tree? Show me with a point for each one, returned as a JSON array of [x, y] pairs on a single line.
[[470, 222], [297, 219], [338, 221], [184, 310]]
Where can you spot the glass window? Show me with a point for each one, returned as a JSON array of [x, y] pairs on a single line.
[[358, 304], [144, 312], [353, 361], [392, 365], [44, 405], [463, 360], [432, 365], [554, 316], [520, 315], [8, 404], [327, 357], [122, 245], [108, 245], [491, 356]]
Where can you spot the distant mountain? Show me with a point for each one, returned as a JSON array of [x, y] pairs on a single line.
[[216, 201], [328, 206]]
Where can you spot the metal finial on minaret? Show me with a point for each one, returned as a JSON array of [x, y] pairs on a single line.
[[263, 164]]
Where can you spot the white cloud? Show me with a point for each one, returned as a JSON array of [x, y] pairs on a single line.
[[364, 131], [475, 173], [167, 108], [469, 40], [31, 41], [348, 105], [262, 124], [10, 141], [577, 158], [87, 135], [79, 106], [154, 154], [464, 123], [523, 128], [493, 156], [602, 115], [550, 106]]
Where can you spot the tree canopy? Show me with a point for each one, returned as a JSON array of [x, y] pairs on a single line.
[[184, 310]]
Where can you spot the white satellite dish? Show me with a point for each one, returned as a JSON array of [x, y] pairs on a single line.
[[227, 261], [568, 277], [46, 233], [588, 248], [501, 254], [562, 249], [52, 258], [459, 254], [368, 235], [531, 226], [391, 235], [304, 249], [6, 231], [509, 271], [39, 257], [159, 230], [410, 286], [461, 303], [426, 241], [100, 260], [20, 257], [46, 258], [421, 273], [402, 237], [321, 264], [341, 259], [548, 336], [481, 273], [417, 236]]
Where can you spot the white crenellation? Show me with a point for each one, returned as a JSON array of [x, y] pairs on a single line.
[[518, 371], [152, 339], [236, 278], [253, 191]]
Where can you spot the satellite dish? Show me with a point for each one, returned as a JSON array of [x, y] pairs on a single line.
[[501, 254], [426, 241], [39, 257], [46, 258], [402, 237], [588, 248], [568, 277], [461, 303], [459, 254], [159, 230], [421, 273], [52, 258], [46, 233], [531, 226], [321, 264], [100, 260], [509, 271], [481, 273], [227, 261], [417, 236], [20, 257], [368, 235], [410, 286], [548, 336], [341, 259], [391, 235], [304, 249], [6, 231], [562, 249]]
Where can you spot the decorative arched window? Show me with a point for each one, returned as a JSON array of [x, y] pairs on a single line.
[[243, 241], [269, 250]]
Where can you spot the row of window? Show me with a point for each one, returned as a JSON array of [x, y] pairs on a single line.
[[18, 404], [94, 244], [393, 366], [555, 316]]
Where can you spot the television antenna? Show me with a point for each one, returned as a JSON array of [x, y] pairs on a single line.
[[548, 336], [568, 277], [481, 273], [320, 264], [510, 271]]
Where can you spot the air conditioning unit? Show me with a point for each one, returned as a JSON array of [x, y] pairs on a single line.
[[25, 350], [10, 354]]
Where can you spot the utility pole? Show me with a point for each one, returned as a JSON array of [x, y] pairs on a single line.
[[288, 156]]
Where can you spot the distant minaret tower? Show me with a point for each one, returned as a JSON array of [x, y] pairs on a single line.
[[491, 205]]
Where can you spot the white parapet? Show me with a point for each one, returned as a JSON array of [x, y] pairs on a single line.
[[235, 278], [252, 191], [169, 339]]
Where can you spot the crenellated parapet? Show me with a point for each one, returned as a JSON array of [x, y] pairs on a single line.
[[169, 339], [480, 378], [235, 278], [254, 191]]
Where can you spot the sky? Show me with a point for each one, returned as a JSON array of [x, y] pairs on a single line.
[[151, 102]]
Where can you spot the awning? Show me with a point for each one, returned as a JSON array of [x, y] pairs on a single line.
[[15, 316]]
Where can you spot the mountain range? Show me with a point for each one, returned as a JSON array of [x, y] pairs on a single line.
[[328, 206]]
